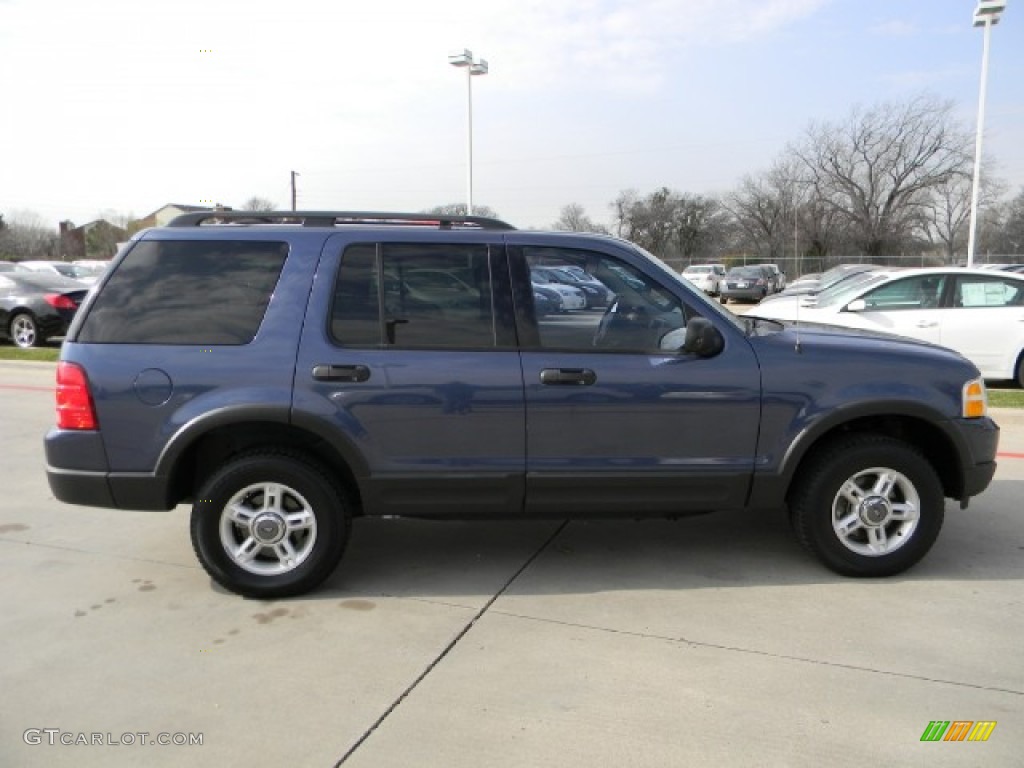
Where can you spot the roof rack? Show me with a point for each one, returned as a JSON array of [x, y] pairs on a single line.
[[334, 218]]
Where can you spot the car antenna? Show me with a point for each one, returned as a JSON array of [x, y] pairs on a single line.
[[796, 326]]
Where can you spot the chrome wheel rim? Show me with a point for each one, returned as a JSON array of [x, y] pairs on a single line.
[[23, 331], [268, 529], [876, 512]]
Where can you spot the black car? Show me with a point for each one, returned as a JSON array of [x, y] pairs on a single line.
[[35, 306], [746, 284]]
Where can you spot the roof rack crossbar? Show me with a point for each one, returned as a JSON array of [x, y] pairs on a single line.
[[334, 218]]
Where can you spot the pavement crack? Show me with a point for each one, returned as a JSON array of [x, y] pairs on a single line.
[[451, 645], [765, 654], [80, 551]]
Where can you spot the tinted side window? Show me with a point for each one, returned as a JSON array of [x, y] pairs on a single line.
[[638, 316], [355, 310], [920, 292], [414, 295], [186, 292]]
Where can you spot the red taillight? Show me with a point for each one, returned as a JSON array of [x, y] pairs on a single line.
[[59, 301], [74, 400]]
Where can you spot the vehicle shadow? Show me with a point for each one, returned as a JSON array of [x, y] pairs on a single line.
[[438, 560]]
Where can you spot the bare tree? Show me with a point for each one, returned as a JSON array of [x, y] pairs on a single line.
[[256, 203], [701, 228], [678, 228], [459, 209], [26, 236], [948, 214], [878, 168], [1001, 227], [574, 218], [762, 212], [646, 221]]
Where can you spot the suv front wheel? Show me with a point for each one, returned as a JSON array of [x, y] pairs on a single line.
[[269, 524], [868, 505]]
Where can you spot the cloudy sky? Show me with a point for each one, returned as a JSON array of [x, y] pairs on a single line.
[[125, 105]]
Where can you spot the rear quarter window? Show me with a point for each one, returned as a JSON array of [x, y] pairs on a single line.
[[186, 292]]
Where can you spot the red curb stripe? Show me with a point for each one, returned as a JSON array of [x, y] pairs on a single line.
[[1010, 455]]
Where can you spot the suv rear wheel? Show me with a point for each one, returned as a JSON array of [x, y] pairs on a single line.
[[269, 524], [868, 505]]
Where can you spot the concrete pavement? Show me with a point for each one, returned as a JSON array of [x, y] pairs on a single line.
[[712, 640]]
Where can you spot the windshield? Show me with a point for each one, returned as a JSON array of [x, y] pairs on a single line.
[[844, 290], [752, 272]]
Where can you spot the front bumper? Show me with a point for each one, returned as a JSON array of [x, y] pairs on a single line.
[[980, 439]]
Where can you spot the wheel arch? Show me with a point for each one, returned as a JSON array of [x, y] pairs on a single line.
[[936, 444], [194, 461]]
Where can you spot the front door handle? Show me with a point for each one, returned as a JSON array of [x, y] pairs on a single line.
[[352, 373], [927, 323], [568, 376]]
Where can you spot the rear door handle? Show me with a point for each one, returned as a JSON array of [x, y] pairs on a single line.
[[568, 376], [927, 323], [352, 373]]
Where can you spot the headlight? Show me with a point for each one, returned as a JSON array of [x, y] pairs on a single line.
[[974, 399]]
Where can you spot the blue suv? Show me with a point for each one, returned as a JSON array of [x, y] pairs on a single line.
[[285, 373]]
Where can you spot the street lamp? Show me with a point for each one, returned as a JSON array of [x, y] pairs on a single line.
[[986, 15], [479, 67]]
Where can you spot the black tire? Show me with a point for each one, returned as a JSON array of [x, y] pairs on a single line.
[[723, 299], [897, 542], [1020, 371], [24, 331], [306, 520]]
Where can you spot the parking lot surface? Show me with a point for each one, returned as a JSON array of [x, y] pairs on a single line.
[[707, 641]]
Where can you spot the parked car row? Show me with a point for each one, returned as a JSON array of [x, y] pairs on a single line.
[[570, 286], [747, 283], [976, 312]]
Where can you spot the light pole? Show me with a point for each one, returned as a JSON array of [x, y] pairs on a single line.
[[478, 67], [986, 15]]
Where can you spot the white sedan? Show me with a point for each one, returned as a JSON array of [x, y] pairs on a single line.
[[707, 277], [976, 312]]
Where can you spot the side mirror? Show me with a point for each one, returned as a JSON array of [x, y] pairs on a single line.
[[702, 338], [858, 305]]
